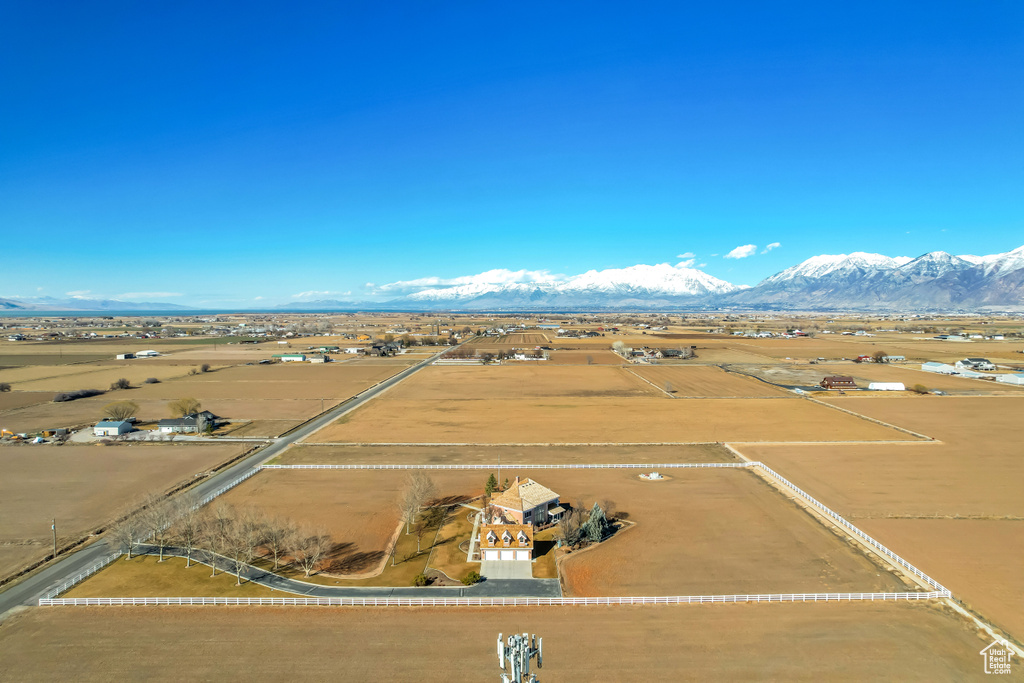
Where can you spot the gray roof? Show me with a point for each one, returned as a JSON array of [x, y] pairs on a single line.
[[112, 423]]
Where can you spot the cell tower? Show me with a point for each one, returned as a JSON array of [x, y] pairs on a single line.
[[514, 657]]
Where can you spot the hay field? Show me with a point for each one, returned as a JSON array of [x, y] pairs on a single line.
[[530, 380], [979, 560], [717, 355], [357, 508], [100, 377], [540, 455], [917, 479], [84, 486], [705, 381], [524, 338], [585, 357], [709, 532], [592, 420], [792, 642]]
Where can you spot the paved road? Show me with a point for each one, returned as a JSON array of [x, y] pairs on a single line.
[[29, 590], [489, 588]]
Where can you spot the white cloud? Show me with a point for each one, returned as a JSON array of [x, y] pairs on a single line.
[[257, 298], [686, 263], [316, 294], [685, 255], [773, 245], [79, 293], [742, 251], [497, 276], [147, 295]]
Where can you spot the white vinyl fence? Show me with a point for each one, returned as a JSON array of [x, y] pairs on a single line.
[[516, 466], [78, 578], [503, 602]]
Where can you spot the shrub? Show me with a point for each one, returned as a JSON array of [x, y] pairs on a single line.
[[152, 380], [420, 580], [471, 578], [5, 386], [919, 389], [205, 367], [120, 384], [72, 395]]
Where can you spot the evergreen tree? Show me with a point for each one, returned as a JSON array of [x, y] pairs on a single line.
[[492, 484], [596, 527]]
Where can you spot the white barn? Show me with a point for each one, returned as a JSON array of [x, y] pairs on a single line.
[[941, 368], [1011, 378], [887, 386]]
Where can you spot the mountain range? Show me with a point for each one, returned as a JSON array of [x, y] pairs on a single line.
[[858, 281]]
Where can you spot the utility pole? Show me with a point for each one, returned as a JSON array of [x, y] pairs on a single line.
[[53, 528]]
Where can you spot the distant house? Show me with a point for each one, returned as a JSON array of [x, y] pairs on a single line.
[[125, 356], [1011, 378], [838, 382], [506, 542], [975, 364], [290, 357], [354, 349], [149, 353], [527, 502], [320, 359], [894, 359], [190, 424], [112, 428]]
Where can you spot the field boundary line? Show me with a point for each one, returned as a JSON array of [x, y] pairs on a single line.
[[664, 391], [870, 419], [491, 466], [499, 602], [393, 444]]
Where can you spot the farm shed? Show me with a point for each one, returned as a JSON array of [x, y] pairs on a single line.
[[1011, 378], [149, 353], [506, 542], [940, 368], [112, 428], [125, 356], [839, 382], [290, 357], [887, 386]]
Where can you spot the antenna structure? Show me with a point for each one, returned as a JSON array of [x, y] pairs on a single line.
[[514, 655]]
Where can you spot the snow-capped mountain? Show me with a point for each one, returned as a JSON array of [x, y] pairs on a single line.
[[640, 286], [934, 280]]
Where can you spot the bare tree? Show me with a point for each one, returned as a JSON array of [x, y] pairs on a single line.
[[276, 533], [157, 516], [184, 406], [308, 547], [128, 531], [216, 531], [408, 506], [120, 410], [120, 384], [187, 529]]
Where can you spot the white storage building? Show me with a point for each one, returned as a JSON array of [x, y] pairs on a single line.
[[887, 386], [1011, 378]]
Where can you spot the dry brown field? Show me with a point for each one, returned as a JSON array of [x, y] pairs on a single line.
[[864, 373], [979, 560], [594, 420], [793, 642], [85, 486], [715, 355], [916, 479], [524, 338], [258, 428], [585, 357], [710, 532], [530, 380], [534, 455], [705, 381], [99, 377], [359, 509], [19, 399]]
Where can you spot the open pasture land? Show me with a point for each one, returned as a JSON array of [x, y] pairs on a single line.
[[357, 508], [804, 348], [803, 374], [992, 423], [530, 380], [599, 420], [790, 641], [714, 355], [85, 486], [92, 376], [491, 455], [912, 479], [705, 381], [19, 399], [979, 560], [709, 532], [584, 357]]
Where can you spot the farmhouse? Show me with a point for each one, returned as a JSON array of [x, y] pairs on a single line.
[[975, 364], [527, 502], [506, 542], [112, 428], [190, 424], [839, 382]]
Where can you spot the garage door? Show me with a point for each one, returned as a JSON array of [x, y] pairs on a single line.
[[490, 554], [508, 554], [522, 554]]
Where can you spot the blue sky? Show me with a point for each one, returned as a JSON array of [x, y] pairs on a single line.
[[222, 152]]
